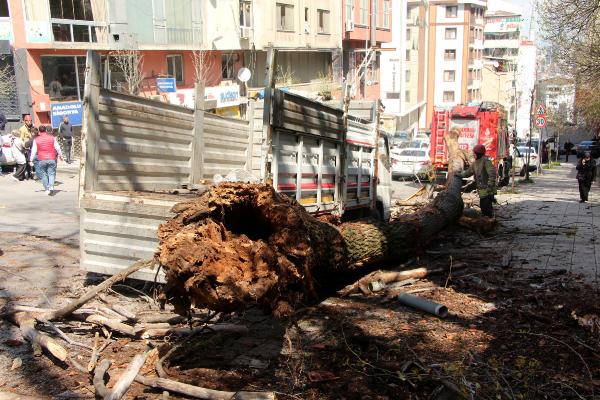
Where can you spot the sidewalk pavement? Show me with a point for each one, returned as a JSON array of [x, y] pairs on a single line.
[[546, 227]]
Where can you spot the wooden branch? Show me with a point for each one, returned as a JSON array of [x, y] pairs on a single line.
[[127, 377], [26, 325], [112, 324], [386, 277], [90, 294], [94, 357], [156, 333], [98, 380], [65, 337], [156, 317], [200, 392]]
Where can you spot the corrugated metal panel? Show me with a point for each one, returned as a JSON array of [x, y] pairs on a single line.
[[118, 230], [143, 144], [225, 145]]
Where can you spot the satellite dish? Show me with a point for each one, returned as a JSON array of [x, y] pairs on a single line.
[[244, 74]]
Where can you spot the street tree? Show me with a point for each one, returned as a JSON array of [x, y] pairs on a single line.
[[204, 63], [7, 78], [130, 63]]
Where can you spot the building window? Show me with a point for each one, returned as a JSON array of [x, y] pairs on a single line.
[[376, 12], [407, 76], [228, 65], [364, 12], [407, 96], [285, 17], [175, 67], [4, 9], [448, 96], [323, 21], [64, 77], [407, 55], [450, 33], [449, 75], [349, 10], [386, 13], [451, 11], [408, 34], [82, 29], [449, 55], [245, 14]]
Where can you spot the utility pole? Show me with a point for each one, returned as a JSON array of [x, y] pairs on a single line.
[[530, 132]]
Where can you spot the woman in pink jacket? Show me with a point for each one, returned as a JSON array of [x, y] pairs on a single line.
[[47, 150]]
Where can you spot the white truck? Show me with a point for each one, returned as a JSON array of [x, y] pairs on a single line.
[[143, 156]]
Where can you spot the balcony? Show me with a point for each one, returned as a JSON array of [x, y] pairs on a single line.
[[502, 44]]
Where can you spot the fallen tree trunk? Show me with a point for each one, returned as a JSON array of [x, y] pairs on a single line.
[[239, 245]]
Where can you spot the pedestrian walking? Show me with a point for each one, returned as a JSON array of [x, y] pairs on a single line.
[[485, 178], [26, 135], [2, 121], [46, 149], [17, 147], [568, 146], [586, 174], [65, 131]]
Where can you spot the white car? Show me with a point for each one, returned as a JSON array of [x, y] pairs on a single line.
[[520, 159], [410, 162]]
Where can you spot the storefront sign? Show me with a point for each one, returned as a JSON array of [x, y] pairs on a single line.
[[166, 85], [224, 96], [71, 109], [511, 24]]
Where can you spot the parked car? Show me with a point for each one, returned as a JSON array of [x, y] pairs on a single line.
[[520, 159], [419, 144], [399, 138], [588, 145], [410, 162]]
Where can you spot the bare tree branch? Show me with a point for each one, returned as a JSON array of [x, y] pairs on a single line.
[[130, 63]]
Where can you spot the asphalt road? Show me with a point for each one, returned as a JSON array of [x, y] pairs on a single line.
[[26, 209], [403, 189]]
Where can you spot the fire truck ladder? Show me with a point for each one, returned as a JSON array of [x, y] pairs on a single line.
[[441, 130]]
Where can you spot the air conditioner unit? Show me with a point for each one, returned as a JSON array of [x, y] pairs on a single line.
[[306, 28], [244, 32], [349, 25]]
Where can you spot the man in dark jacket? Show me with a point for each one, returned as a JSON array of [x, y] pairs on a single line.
[[568, 148], [2, 121], [586, 174], [485, 178], [65, 131]]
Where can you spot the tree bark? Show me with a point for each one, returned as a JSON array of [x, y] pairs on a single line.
[[239, 245]]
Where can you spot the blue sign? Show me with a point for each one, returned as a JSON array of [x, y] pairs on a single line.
[[166, 85], [71, 109]]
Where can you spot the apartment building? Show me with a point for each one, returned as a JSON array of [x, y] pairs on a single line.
[[500, 54], [50, 39], [403, 71], [455, 53], [526, 78], [367, 26]]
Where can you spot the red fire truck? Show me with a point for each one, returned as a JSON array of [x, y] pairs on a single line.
[[484, 124]]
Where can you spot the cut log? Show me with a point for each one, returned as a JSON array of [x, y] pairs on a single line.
[[113, 324], [386, 277], [126, 379], [38, 339], [200, 392], [253, 246]]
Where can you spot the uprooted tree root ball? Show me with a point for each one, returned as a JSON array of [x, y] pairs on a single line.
[[239, 245], [242, 244]]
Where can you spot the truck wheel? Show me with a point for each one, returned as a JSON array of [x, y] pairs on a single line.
[[522, 172]]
